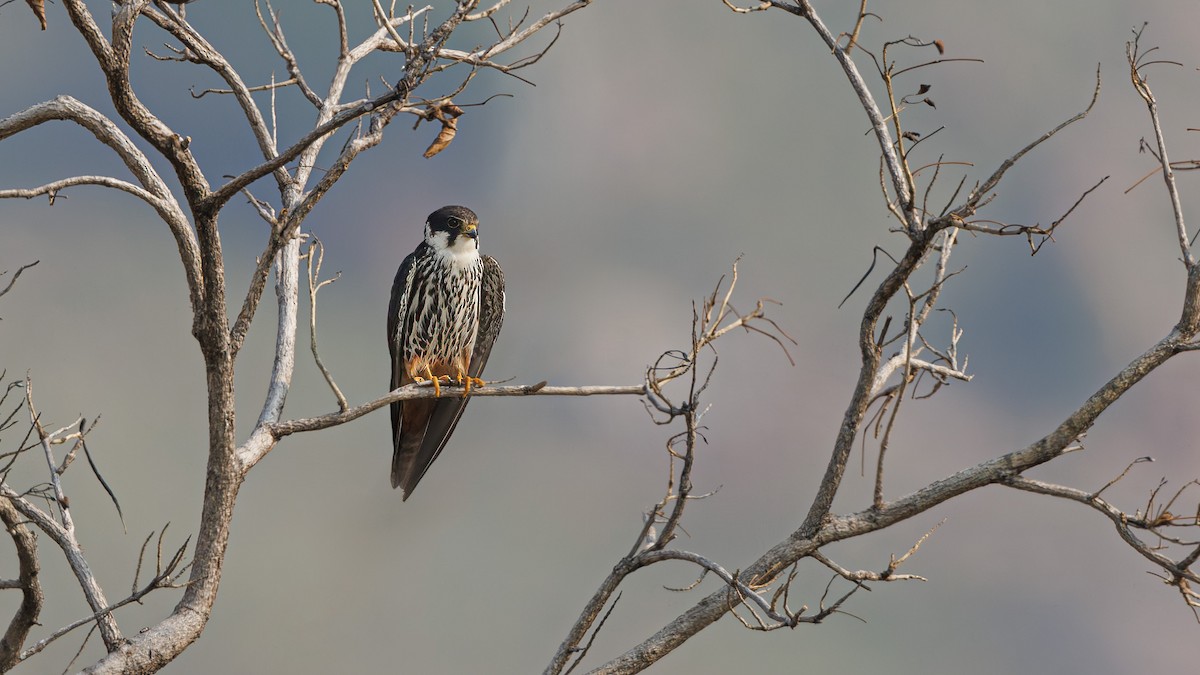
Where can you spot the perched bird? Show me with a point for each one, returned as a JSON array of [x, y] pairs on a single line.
[[446, 309]]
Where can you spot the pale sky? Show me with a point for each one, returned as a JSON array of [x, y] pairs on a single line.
[[662, 141]]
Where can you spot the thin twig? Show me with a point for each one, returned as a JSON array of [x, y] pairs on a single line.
[[1133, 56], [17, 275], [315, 256]]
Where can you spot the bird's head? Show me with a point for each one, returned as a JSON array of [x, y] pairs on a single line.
[[452, 228]]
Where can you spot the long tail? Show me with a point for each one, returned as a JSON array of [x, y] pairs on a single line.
[[410, 457]]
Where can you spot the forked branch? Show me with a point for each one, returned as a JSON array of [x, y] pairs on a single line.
[[821, 526], [692, 369], [1135, 57], [1178, 573]]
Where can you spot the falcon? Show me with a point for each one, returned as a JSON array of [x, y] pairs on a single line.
[[446, 309]]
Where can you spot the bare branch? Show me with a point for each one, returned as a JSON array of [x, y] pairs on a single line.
[[343, 40], [852, 36], [826, 528], [258, 283], [896, 171], [64, 536], [315, 255], [1133, 56], [760, 7], [485, 58], [1122, 521], [199, 242], [714, 318], [262, 87], [16, 276], [287, 285], [981, 193], [203, 52], [165, 578], [274, 33], [746, 594], [415, 391], [53, 188], [589, 615], [26, 616], [584, 650], [114, 62], [154, 189], [672, 387], [1030, 231], [500, 4]]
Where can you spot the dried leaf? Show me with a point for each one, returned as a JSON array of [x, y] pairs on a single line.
[[924, 89], [39, 10], [449, 128], [447, 114], [929, 102], [1164, 518], [941, 46]]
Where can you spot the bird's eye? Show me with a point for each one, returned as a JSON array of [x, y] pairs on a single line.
[[455, 222]]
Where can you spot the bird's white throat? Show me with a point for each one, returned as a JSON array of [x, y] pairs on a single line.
[[462, 254]]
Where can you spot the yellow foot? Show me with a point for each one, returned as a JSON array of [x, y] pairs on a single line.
[[468, 382], [435, 380]]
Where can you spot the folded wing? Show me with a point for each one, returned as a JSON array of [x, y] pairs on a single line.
[[415, 452]]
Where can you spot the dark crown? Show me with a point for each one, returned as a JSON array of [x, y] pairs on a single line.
[[452, 219]]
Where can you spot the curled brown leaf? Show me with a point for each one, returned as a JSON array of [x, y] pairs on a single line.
[[39, 10]]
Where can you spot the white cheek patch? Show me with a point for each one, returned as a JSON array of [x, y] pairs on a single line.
[[440, 241], [462, 254]]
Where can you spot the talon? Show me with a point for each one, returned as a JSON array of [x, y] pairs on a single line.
[[437, 387], [467, 382]]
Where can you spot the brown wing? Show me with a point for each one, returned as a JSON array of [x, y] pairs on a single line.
[[445, 412], [407, 463], [409, 418]]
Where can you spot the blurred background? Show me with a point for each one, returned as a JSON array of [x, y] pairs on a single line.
[[661, 141]]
